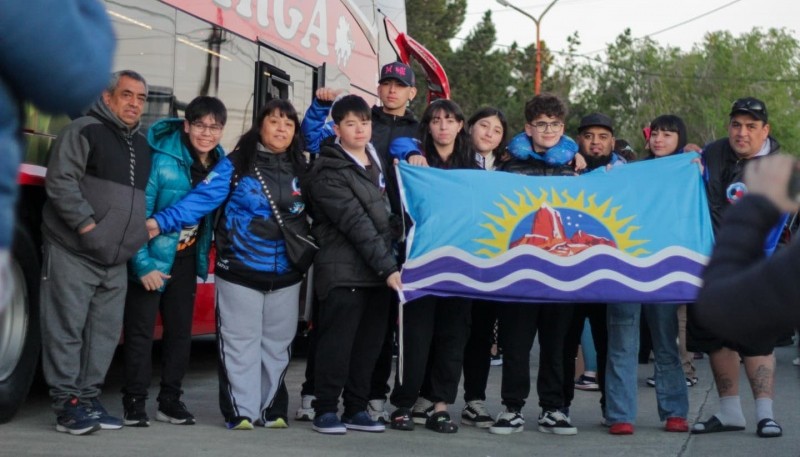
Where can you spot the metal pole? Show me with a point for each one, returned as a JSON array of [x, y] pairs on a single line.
[[537, 84]]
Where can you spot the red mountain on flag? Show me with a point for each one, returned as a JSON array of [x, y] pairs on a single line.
[[547, 232]]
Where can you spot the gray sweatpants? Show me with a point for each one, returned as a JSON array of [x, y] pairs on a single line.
[[255, 333], [81, 308]]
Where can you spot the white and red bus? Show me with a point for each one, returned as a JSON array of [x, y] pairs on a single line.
[[245, 52]]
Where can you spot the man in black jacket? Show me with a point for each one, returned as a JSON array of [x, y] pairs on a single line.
[[748, 139], [94, 221]]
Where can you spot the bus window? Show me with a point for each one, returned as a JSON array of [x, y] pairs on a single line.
[[271, 83], [215, 62]]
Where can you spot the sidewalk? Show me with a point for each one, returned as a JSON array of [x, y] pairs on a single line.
[[32, 431]]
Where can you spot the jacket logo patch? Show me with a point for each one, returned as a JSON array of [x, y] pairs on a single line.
[[296, 187], [297, 207], [735, 191]]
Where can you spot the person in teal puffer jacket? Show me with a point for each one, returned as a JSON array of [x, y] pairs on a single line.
[[163, 273]]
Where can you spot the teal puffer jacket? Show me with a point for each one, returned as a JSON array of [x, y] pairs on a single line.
[[170, 179]]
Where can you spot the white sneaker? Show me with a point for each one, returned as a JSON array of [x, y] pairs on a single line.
[[475, 413], [796, 362], [422, 410], [556, 422], [305, 412], [507, 423], [377, 411]]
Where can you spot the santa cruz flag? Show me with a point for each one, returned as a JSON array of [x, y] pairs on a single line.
[[635, 233]]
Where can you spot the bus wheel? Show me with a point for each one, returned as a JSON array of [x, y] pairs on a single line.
[[20, 340]]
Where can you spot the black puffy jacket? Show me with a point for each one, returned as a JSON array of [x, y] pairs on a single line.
[[533, 167], [385, 128], [351, 224]]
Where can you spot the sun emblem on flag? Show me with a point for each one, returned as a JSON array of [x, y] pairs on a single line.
[[558, 223]]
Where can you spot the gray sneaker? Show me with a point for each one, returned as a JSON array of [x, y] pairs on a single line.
[[377, 411], [305, 412]]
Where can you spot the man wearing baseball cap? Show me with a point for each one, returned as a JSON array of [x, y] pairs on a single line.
[[748, 139], [596, 141], [399, 72]]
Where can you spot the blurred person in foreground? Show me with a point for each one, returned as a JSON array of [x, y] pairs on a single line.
[[42, 38], [747, 296]]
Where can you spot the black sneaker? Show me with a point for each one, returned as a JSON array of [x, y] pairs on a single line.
[[508, 422], [556, 422], [401, 419], [476, 414], [135, 414], [75, 420], [174, 411]]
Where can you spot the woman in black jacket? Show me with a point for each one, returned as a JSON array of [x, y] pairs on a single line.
[[435, 329]]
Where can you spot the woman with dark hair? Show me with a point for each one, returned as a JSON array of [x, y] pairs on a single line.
[[667, 137], [488, 129], [435, 329], [163, 274], [257, 286], [444, 142]]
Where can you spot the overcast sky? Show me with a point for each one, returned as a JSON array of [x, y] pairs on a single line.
[[600, 21]]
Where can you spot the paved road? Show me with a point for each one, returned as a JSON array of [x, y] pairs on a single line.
[[31, 432]]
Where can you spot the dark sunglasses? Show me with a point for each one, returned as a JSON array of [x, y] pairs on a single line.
[[748, 105]]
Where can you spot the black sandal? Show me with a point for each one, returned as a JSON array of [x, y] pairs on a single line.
[[401, 420], [764, 423], [441, 423]]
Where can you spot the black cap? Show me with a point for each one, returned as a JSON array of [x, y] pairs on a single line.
[[398, 71], [596, 120], [751, 106]]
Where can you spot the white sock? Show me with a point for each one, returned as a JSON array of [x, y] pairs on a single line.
[[730, 411], [763, 409]]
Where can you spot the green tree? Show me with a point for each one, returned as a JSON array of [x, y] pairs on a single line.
[[433, 23], [638, 80]]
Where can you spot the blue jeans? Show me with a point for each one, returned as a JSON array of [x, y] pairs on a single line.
[[672, 394], [587, 347]]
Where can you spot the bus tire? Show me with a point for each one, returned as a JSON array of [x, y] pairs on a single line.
[[20, 338]]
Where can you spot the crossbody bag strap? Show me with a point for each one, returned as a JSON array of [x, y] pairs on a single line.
[[275, 212]]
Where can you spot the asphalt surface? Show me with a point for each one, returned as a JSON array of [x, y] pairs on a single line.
[[32, 431]]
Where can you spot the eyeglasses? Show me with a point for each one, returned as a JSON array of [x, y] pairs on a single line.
[[214, 129], [541, 127], [748, 104]]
